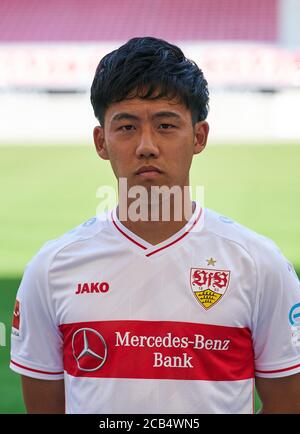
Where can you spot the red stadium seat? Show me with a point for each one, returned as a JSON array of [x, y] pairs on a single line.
[[110, 20]]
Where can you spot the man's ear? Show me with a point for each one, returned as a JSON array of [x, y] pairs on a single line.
[[100, 144], [201, 130]]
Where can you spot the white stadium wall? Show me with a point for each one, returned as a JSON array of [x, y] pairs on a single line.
[[234, 117], [255, 91]]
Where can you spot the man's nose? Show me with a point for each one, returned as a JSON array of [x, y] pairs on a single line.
[[147, 146]]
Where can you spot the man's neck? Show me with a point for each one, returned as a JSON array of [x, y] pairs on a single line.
[[155, 232]]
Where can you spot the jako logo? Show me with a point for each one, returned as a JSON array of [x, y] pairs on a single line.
[[90, 288]]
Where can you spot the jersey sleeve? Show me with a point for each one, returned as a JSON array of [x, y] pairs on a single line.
[[36, 342], [276, 332]]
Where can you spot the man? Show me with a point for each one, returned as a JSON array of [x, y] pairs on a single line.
[[133, 312]]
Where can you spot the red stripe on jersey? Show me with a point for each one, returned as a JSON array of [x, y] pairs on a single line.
[[125, 235], [178, 239], [157, 350], [253, 396], [36, 370], [278, 370]]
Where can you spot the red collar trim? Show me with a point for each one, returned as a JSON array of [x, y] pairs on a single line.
[[178, 239], [162, 247], [125, 235]]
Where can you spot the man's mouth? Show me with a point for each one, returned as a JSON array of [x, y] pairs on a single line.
[[148, 172]]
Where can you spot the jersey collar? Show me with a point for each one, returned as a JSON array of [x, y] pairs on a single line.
[[194, 224]]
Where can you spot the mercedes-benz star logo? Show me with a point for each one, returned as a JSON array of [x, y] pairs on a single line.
[[89, 349]]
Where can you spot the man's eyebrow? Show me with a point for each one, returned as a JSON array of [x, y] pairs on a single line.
[[124, 116], [128, 116], [166, 114]]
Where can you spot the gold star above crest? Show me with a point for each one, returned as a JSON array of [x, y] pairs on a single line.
[[211, 261]]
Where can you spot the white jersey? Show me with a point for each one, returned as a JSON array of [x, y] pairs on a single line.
[[180, 327]]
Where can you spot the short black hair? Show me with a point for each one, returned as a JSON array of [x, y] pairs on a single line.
[[149, 68]]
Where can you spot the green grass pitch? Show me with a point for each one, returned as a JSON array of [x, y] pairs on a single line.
[[47, 190]]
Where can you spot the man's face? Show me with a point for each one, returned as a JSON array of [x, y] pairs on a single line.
[[150, 142]]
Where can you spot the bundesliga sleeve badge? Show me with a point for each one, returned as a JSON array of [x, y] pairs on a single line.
[[16, 320], [208, 285]]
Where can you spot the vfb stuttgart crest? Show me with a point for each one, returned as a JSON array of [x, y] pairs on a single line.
[[208, 285]]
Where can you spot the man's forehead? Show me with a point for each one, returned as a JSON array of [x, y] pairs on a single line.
[[146, 107]]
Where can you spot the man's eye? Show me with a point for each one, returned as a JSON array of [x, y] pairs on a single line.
[[165, 126], [126, 127]]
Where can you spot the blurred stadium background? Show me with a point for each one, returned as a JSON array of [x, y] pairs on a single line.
[[250, 53]]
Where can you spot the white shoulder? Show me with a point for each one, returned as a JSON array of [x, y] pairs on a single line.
[[84, 231], [264, 251], [276, 278]]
